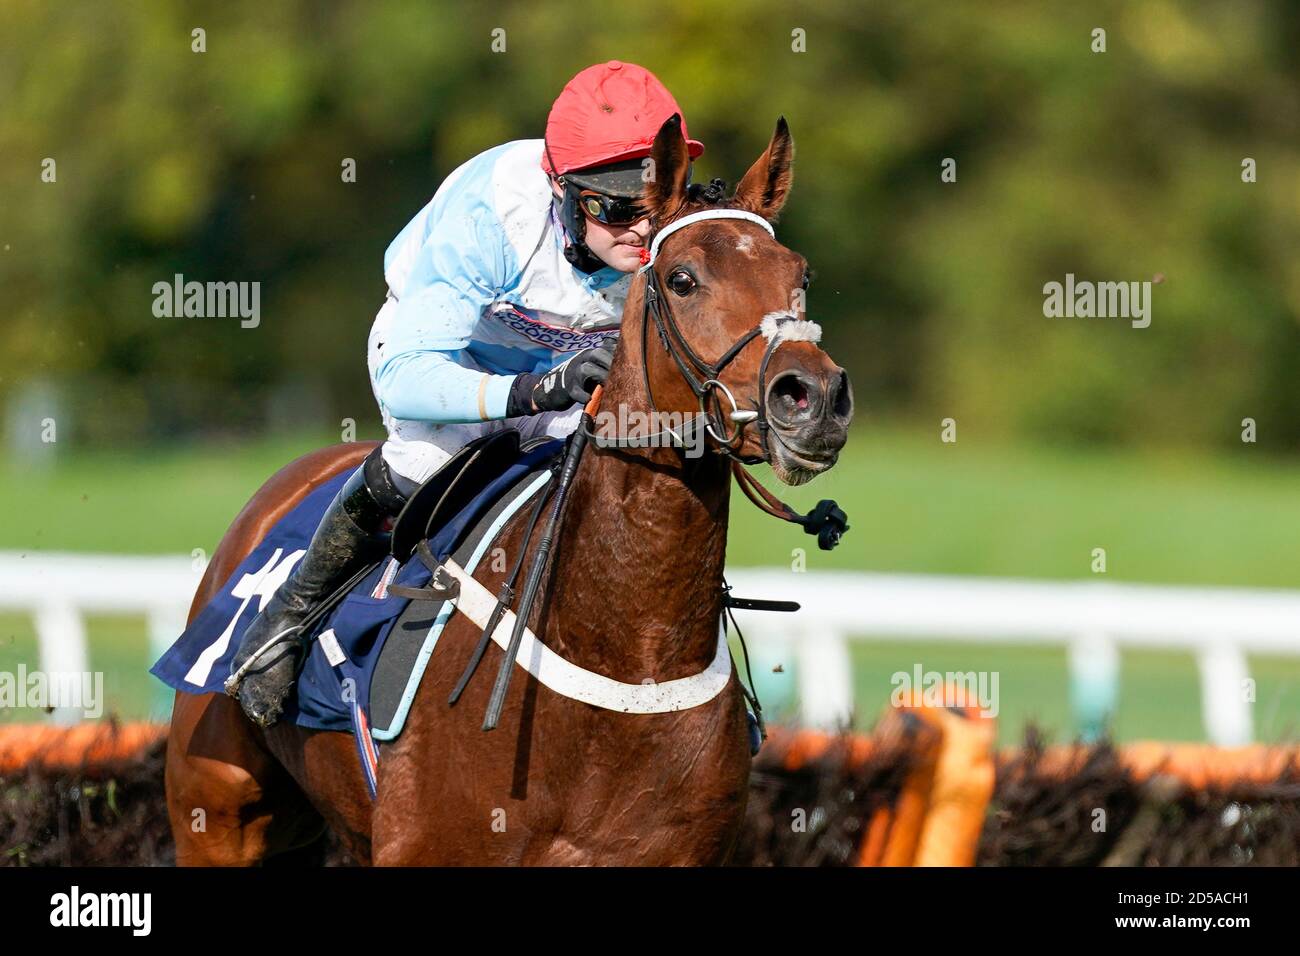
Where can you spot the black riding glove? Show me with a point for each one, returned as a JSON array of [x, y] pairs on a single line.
[[570, 382]]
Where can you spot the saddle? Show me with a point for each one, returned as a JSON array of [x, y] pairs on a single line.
[[452, 487], [449, 513], [465, 537]]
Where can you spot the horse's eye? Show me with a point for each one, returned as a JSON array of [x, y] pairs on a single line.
[[681, 282], [807, 279]]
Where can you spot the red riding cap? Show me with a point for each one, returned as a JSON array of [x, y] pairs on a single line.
[[607, 113]]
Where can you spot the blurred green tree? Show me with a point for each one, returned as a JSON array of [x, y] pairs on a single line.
[[226, 165]]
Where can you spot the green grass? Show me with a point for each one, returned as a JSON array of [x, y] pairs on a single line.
[[160, 502], [915, 505]]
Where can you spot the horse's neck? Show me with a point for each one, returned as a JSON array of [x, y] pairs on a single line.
[[639, 572]]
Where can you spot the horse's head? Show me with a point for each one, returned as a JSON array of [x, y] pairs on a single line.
[[726, 303]]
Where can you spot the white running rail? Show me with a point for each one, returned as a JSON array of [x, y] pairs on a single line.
[[1094, 621]]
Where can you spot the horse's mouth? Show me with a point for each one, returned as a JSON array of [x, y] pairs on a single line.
[[796, 465], [808, 417]]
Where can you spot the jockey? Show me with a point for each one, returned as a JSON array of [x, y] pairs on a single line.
[[505, 294]]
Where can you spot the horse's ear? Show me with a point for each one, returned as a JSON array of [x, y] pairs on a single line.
[[670, 164], [765, 187]]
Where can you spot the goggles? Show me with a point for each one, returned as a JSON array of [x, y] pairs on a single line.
[[610, 210]]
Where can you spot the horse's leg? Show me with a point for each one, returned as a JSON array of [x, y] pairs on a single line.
[[229, 801], [324, 765]]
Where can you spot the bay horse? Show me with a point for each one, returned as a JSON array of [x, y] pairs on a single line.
[[633, 592]]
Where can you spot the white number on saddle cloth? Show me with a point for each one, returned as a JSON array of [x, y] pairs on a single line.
[[260, 584]]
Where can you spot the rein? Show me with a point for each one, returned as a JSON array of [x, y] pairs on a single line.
[[827, 522]]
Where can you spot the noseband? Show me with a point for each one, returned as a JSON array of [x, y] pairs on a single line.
[[826, 521]]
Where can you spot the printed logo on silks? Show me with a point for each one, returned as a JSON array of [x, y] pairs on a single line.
[[554, 337]]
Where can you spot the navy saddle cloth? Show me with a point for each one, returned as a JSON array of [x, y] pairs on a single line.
[[364, 664]]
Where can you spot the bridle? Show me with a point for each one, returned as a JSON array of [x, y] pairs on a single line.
[[826, 521], [704, 378]]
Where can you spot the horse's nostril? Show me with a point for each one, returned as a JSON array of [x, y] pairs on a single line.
[[841, 402], [788, 397]]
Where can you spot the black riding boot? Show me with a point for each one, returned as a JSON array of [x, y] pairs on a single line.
[[349, 536]]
